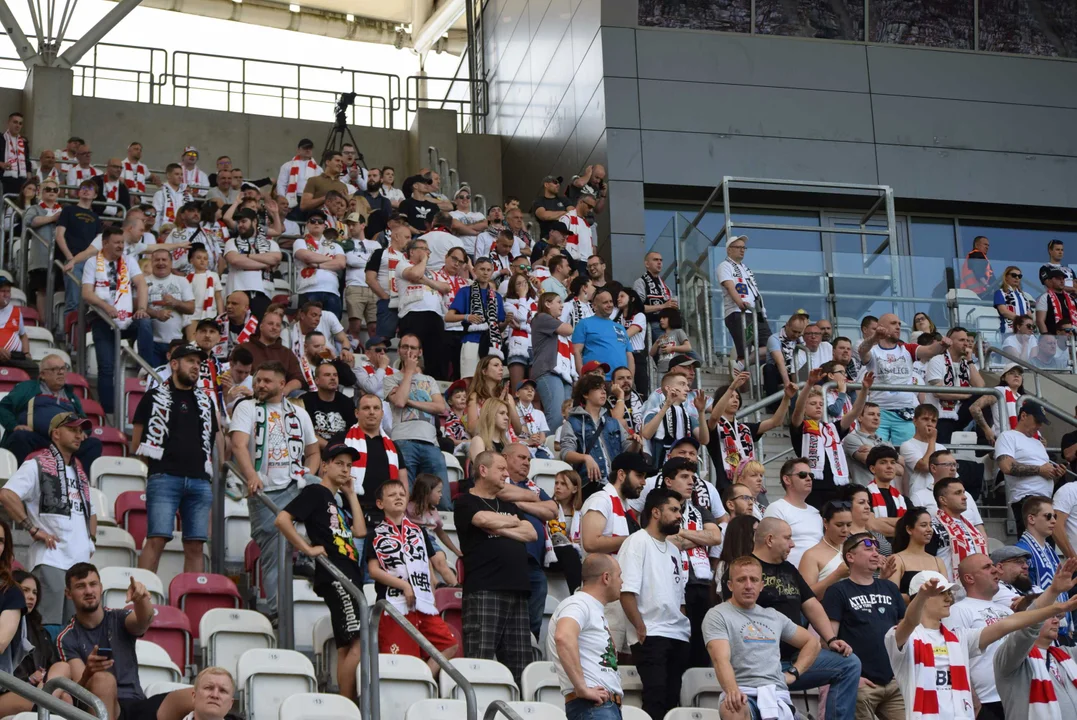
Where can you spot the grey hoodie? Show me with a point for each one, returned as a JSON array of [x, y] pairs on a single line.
[[1013, 676]]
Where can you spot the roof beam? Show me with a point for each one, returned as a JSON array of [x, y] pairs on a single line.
[[26, 51], [426, 37], [96, 34]]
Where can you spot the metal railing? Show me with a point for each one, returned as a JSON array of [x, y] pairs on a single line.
[[48, 704], [927, 390], [500, 706], [989, 350], [470, 107]]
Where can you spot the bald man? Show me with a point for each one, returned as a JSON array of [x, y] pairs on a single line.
[[237, 324], [884, 353], [111, 189]]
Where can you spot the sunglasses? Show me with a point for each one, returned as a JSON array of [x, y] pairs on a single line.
[[1049, 516], [802, 474], [1016, 275], [315, 221], [378, 350], [869, 543]]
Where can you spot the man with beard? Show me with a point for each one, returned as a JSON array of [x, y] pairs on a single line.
[[251, 257], [652, 594], [237, 324], [266, 346], [331, 412], [174, 429], [1015, 587]]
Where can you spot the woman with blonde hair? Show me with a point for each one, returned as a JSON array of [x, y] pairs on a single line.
[[1010, 300], [568, 494], [752, 475], [486, 384], [492, 430]]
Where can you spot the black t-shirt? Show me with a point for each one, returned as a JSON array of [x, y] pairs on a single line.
[[891, 504], [418, 212], [555, 204], [329, 524], [491, 562], [76, 641], [714, 447], [866, 613], [377, 472], [183, 454], [331, 418], [370, 554], [708, 518], [80, 227], [785, 590]]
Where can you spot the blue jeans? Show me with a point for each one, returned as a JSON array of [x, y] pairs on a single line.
[[894, 429], [553, 391], [72, 289], [387, 320], [192, 497], [160, 354], [536, 604], [265, 533], [105, 347], [586, 710], [330, 301], [841, 673], [424, 457]]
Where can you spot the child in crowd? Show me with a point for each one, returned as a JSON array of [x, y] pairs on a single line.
[[454, 436], [426, 494], [672, 341], [533, 421], [206, 285]]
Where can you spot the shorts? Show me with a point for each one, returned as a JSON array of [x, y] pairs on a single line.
[[392, 638], [362, 303], [519, 359], [191, 497], [55, 607], [343, 613], [133, 709], [753, 709]]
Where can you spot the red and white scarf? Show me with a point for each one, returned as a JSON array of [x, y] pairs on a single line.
[[821, 442], [77, 174], [564, 366], [401, 552], [299, 350], [50, 211], [959, 377], [65, 159], [965, 539], [1056, 307], [53, 175], [1042, 698], [292, 188], [15, 155], [523, 309], [112, 193], [578, 242], [173, 201], [926, 699], [134, 176], [737, 445], [195, 177], [878, 502], [224, 348], [356, 438], [202, 286]]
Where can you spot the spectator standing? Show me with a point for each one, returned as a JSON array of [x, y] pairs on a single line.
[[1039, 521], [417, 207], [784, 353], [378, 460], [76, 228], [732, 442], [49, 498], [916, 453], [82, 171], [251, 256], [1024, 463], [331, 411], [175, 428], [494, 535], [652, 595], [1056, 312], [596, 271], [552, 365], [956, 537], [1012, 388], [386, 189], [1065, 532], [319, 263], [742, 300], [274, 444], [47, 169], [237, 325], [193, 176], [862, 608], [315, 193], [266, 346], [591, 438], [672, 341], [976, 272], [579, 239], [551, 207], [466, 223], [170, 298], [170, 197], [134, 172], [600, 338], [416, 403], [482, 311], [112, 189], [664, 426], [15, 161], [359, 300], [805, 522], [1056, 249], [1011, 301], [312, 318], [592, 178], [560, 269], [818, 351], [421, 311], [888, 505], [294, 174], [43, 217], [862, 437], [330, 512]]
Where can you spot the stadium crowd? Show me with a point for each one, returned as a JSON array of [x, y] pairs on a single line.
[[872, 576]]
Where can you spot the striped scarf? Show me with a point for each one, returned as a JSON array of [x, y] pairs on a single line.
[[356, 438], [80, 174], [134, 176], [1016, 302], [1056, 308], [965, 539], [292, 189], [55, 488], [15, 155], [578, 240], [1042, 699], [926, 700], [821, 443], [1042, 565], [878, 502], [53, 175], [174, 200], [735, 439], [203, 283], [50, 211]]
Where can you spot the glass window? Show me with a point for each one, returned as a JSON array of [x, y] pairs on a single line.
[[830, 19], [933, 251], [728, 15], [1011, 26], [934, 23]]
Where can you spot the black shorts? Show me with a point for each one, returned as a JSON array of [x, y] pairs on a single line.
[[343, 612], [145, 709]]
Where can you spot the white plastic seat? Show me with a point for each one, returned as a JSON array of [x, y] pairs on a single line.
[[682, 713], [325, 653], [631, 686], [963, 438], [18, 297], [114, 475], [491, 680], [318, 706], [547, 613], [452, 467], [40, 340], [225, 634], [556, 586], [631, 712], [268, 676], [162, 687], [307, 609], [538, 711], [103, 506], [237, 529], [115, 547], [544, 472], [402, 680], [8, 465], [58, 353], [171, 562], [700, 688], [440, 709], [116, 580], [154, 664], [540, 684]]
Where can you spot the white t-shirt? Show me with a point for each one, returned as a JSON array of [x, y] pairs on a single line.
[[654, 573], [892, 366], [738, 273], [935, 369], [903, 668], [607, 503], [133, 251], [976, 614], [276, 472], [638, 341], [919, 486], [822, 354], [415, 297], [806, 522], [89, 277], [467, 218], [597, 656], [326, 281], [440, 243], [246, 280], [1065, 501], [73, 543], [165, 331], [1027, 451], [357, 259]]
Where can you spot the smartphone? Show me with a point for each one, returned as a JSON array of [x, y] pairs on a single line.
[[105, 652]]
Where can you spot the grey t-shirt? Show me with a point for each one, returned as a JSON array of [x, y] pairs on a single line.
[[410, 423], [543, 344], [753, 637], [666, 341], [76, 641]]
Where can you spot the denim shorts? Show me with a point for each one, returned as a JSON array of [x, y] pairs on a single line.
[[519, 359], [191, 497]]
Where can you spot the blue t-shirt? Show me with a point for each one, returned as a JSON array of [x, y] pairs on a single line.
[[462, 304], [537, 548], [603, 340]]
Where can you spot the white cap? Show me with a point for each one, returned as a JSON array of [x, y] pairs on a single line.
[[1011, 366], [924, 577]]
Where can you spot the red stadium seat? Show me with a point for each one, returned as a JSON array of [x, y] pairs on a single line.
[[454, 490], [254, 570], [197, 593], [93, 410], [113, 442], [29, 317], [450, 603], [79, 384], [133, 390], [10, 377], [171, 629], [130, 514], [460, 570], [71, 320]]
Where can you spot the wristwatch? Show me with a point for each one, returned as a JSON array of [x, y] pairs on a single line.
[[794, 672]]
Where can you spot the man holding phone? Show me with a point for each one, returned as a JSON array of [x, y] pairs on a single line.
[[99, 645]]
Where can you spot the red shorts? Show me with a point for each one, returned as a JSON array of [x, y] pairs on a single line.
[[392, 638]]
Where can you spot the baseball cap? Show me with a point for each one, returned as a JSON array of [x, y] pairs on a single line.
[[189, 349], [305, 143], [801, 312], [1055, 273], [924, 577], [317, 215], [683, 361], [1008, 552], [457, 385], [248, 185], [1035, 411], [355, 218], [1011, 366], [207, 323], [592, 365], [630, 462], [331, 451], [685, 440], [70, 419], [377, 340], [552, 178], [526, 382], [5, 278], [190, 149]]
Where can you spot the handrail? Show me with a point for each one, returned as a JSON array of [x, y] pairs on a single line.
[[48, 703], [929, 390], [117, 370], [384, 606], [760, 405], [500, 706], [989, 349], [1058, 412], [783, 453], [9, 232]]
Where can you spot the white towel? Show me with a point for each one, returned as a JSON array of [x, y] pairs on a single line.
[[773, 703]]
